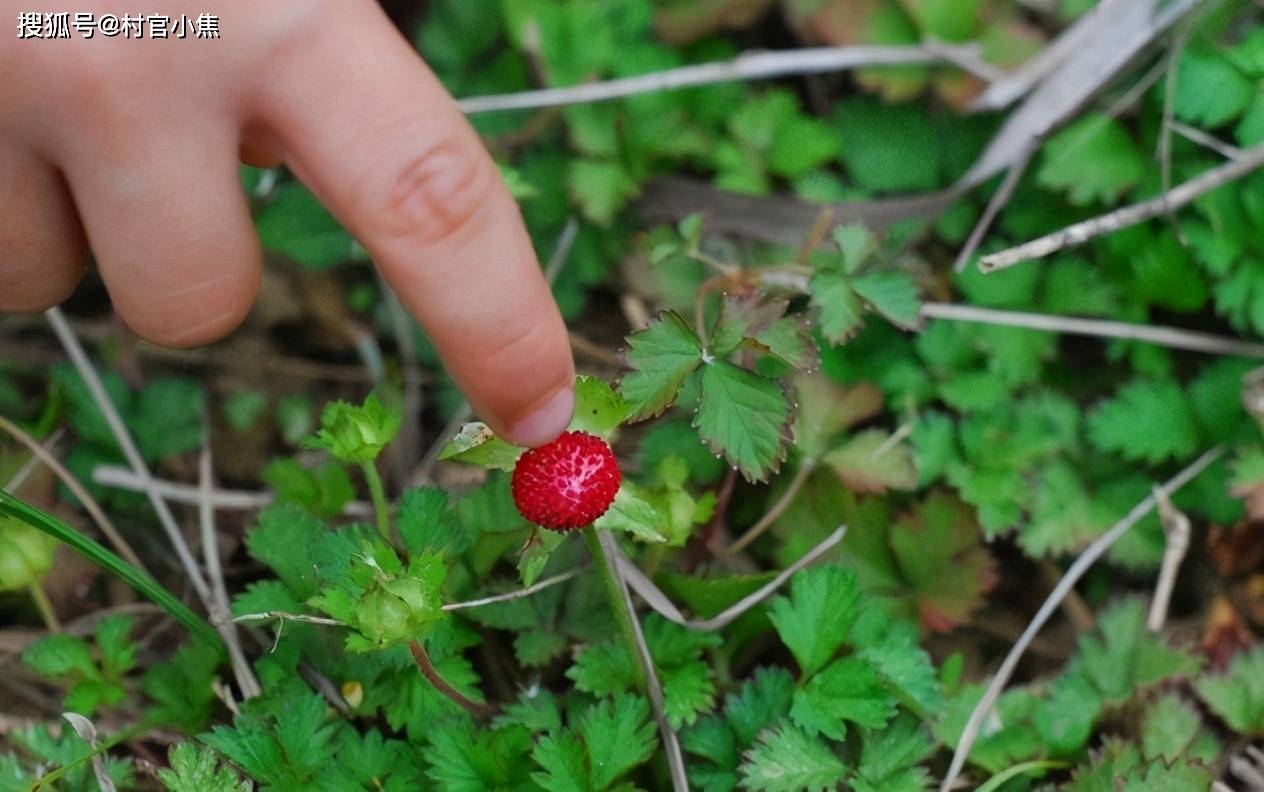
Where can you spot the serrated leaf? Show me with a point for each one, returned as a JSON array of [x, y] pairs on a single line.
[[787, 760], [841, 310], [663, 355], [1168, 727], [814, 619], [745, 417], [619, 736], [743, 317], [599, 408], [825, 409], [1146, 421], [1210, 92], [632, 513], [849, 689], [539, 550], [870, 463], [1237, 696], [855, 242], [788, 339], [1092, 159], [893, 295], [197, 768], [477, 444]]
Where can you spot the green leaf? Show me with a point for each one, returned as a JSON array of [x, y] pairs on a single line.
[[537, 554], [888, 759], [841, 311], [1065, 721], [1169, 726], [1237, 696], [357, 433], [743, 317], [871, 463], [893, 295], [1210, 92], [599, 408], [464, 758], [826, 409], [849, 689], [282, 540], [295, 224], [904, 157], [745, 417], [786, 759], [561, 758], [813, 621], [940, 554], [26, 554], [603, 669], [662, 356], [632, 513], [1127, 657], [788, 340], [619, 736], [196, 768], [1092, 159], [324, 491], [763, 699], [61, 655], [421, 520], [166, 417], [856, 243], [1146, 421], [600, 188], [477, 444]]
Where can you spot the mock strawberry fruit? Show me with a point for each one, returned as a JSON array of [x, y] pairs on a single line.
[[567, 483]]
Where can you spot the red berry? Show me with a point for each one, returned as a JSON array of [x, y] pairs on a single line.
[[568, 483]]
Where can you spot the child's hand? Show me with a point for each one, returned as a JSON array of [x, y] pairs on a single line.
[[132, 147]]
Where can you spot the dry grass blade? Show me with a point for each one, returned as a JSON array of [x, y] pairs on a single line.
[[656, 599], [1081, 565], [93, 381], [218, 608], [747, 66], [90, 504]]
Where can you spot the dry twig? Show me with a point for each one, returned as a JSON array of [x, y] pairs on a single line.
[[1176, 530], [1172, 337], [1173, 199]]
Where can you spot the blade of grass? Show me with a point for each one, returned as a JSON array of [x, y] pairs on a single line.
[[107, 560]]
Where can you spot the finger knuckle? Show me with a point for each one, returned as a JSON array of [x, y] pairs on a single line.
[[435, 194]]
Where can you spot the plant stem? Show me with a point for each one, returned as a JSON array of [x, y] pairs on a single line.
[[380, 508], [618, 603], [44, 606], [427, 669]]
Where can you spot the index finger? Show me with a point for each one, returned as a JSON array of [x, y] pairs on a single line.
[[373, 133]]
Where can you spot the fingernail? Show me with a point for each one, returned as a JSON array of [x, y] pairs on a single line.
[[546, 421]]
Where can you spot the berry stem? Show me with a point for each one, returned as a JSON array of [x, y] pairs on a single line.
[[380, 508], [44, 606], [619, 602]]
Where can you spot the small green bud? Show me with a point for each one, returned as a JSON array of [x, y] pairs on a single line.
[[357, 433]]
